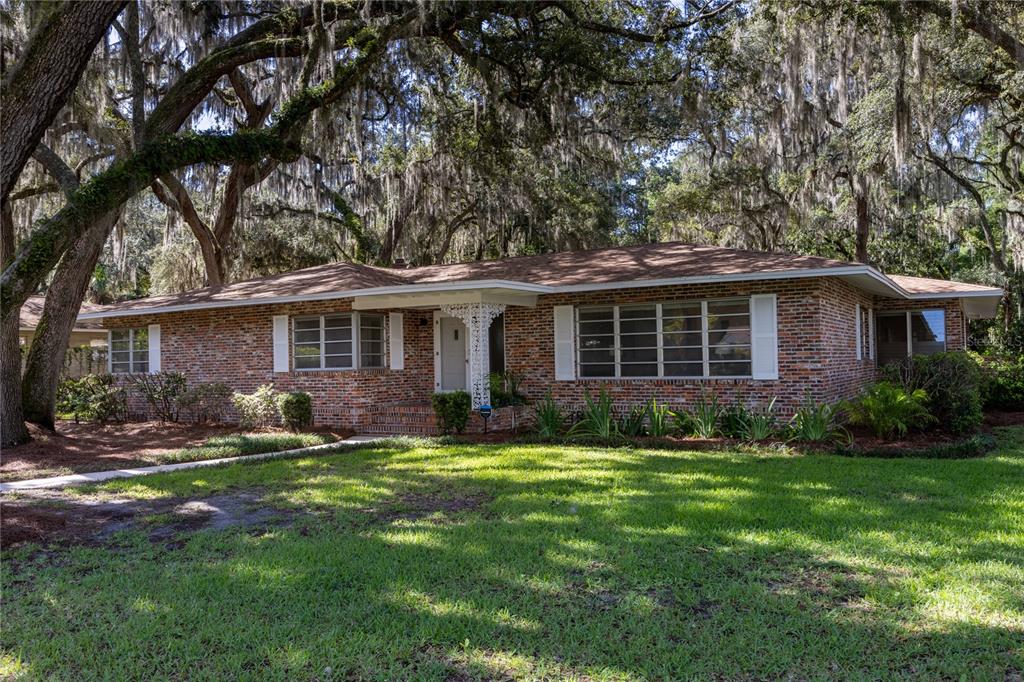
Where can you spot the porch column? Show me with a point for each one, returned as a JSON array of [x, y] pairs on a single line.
[[477, 317]]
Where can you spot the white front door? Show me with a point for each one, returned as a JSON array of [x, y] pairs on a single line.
[[452, 354]]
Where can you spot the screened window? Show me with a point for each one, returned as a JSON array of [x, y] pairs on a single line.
[[685, 339], [329, 341], [901, 335], [129, 351]]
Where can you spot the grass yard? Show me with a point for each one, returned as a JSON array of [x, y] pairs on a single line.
[[533, 562]]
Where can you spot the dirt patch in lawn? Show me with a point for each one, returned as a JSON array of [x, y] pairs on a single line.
[[81, 448], [54, 518], [417, 506]]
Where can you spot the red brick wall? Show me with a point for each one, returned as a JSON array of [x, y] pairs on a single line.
[[529, 344], [816, 350]]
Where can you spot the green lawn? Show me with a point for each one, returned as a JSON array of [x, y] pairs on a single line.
[[494, 562]]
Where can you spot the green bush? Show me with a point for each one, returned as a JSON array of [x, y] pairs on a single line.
[[890, 410], [93, 397], [296, 410], [952, 381], [760, 424], [452, 410], [705, 419], [597, 420], [659, 418], [259, 409], [161, 391], [1002, 385], [205, 402], [734, 420], [816, 423], [549, 419], [505, 389], [634, 424]]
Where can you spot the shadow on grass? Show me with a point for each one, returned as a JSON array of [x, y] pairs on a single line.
[[491, 563]]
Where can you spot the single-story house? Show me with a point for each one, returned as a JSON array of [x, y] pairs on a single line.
[[87, 344], [372, 344]]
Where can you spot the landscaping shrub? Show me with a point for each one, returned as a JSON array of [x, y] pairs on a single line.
[[816, 423], [597, 420], [205, 402], [760, 424], [93, 397], [733, 421], [259, 409], [452, 410], [1002, 386], [704, 420], [890, 410], [161, 392], [549, 418], [659, 418], [505, 389], [296, 410], [952, 381], [634, 424]]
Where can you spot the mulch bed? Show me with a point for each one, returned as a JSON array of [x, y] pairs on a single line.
[[84, 447]]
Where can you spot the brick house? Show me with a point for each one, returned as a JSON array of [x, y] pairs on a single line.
[[372, 344]]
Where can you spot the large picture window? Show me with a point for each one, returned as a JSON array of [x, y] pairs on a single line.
[[330, 341], [679, 339], [129, 351], [916, 332]]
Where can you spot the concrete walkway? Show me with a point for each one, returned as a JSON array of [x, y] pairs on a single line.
[[99, 476]]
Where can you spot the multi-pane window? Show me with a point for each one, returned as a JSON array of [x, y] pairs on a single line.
[[371, 340], [918, 332], [678, 339], [129, 351], [328, 341]]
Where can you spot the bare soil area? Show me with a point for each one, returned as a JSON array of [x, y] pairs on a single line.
[[84, 447], [53, 517]]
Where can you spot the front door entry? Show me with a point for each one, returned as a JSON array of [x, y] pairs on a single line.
[[453, 354]]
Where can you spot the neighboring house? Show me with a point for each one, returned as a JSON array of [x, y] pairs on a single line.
[[86, 346], [669, 320]]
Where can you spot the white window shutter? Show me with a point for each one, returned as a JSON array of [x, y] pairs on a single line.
[[396, 338], [565, 365], [764, 337], [154, 348], [281, 343], [859, 341]]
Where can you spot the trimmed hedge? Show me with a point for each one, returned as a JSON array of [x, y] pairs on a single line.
[[452, 410], [296, 410]]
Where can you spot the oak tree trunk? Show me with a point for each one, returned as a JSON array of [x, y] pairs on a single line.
[[42, 80], [12, 425], [63, 300]]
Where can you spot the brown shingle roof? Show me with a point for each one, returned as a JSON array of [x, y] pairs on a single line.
[[627, 264], [621, 264], [926, 285], [32, 310]]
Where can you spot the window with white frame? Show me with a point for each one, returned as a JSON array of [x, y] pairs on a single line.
[[914, 332], [330, 341], [129, 351], [676, 339]]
